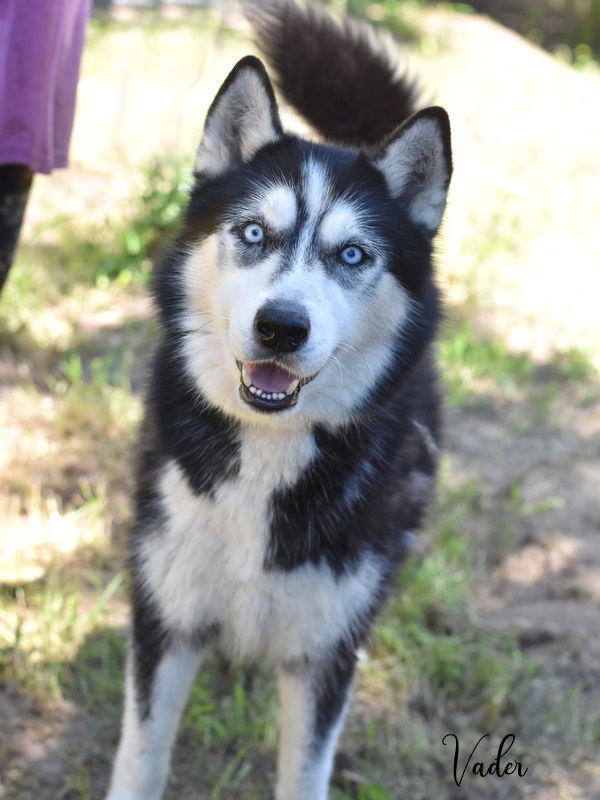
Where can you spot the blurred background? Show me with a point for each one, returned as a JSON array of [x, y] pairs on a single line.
[[495, 625]]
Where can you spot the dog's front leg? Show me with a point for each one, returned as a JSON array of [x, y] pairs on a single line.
[[150, 724], [313, 699]]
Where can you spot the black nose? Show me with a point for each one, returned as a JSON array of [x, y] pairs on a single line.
[[282, 327]]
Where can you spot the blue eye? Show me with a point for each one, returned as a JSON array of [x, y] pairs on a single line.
[[352, 255], [253, 233]]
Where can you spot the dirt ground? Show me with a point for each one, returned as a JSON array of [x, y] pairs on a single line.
[[538, 570], [543, 584], [546, 586]]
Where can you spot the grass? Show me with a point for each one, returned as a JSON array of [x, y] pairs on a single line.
[[571, 30], [430, 662], [43, 628], [401, 18], [74, 330], [479, 368], [473, 366], [58, 642], [115, 252]]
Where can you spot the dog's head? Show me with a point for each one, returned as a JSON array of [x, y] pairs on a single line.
[[304, 270]]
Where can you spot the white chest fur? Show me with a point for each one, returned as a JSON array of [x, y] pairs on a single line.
[[206, 564]]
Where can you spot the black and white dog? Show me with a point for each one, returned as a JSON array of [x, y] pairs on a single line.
[[289, 441]]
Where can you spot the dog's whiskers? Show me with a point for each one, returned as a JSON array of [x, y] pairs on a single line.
[[333, 359], [356, 352]]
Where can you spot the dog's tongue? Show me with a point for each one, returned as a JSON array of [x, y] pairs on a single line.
[[269, 377]]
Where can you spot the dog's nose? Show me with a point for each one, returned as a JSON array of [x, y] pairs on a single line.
[[282, 327]]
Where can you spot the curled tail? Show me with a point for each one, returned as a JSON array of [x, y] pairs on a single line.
[[337, 75]]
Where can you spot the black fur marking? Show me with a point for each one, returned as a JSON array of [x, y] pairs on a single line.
[[206, 447], [224, 199], [150, 642], [408, 247], [351, 176], [331, 686], [205, 635], [204, 442], [353, 498]]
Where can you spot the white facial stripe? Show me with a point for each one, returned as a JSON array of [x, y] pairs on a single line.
[[341, 224], [353, 333], [315, 186], [316, 195], [278, 207]]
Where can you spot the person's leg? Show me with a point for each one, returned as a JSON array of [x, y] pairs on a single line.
[[15, 183]]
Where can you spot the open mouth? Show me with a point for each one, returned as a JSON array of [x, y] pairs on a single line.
[[269, 387]]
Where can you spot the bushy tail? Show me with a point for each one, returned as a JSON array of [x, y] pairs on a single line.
[[337, 75]]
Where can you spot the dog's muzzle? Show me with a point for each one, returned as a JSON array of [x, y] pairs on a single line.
[[269, 387]]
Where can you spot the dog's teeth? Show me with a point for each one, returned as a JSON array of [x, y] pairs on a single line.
[[246, 378], [268, 395]]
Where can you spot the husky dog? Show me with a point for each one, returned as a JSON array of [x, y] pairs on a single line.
[[290, 435]]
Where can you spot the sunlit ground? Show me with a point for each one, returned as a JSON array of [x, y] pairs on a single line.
[[495, 628]]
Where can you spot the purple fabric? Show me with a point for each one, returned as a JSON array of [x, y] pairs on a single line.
[[40, 52]]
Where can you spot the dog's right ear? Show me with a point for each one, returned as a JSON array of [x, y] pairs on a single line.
[[243, 118]]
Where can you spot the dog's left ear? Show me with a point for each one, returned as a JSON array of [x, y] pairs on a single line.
[[416, 162], [243, 118]]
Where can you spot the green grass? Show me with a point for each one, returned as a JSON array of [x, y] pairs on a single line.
[[44, 627], [476, 365], [115, 253], [430, 661], [429, 654], [570, 29], [401, 18], [74, 342], [479, 367], [426, 655]]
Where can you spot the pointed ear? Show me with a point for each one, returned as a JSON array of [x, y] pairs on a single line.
[[416, 162], [242, 118]]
